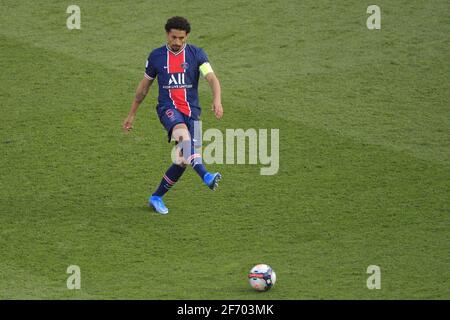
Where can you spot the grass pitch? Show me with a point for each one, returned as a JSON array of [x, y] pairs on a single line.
[[364, 152]]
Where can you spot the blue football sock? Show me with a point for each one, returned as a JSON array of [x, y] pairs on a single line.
[[170, 177], [193, 158]]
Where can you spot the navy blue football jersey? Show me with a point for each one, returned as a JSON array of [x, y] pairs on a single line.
[[178, 74]]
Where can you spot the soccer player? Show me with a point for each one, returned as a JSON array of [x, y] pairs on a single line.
[[178, 65]]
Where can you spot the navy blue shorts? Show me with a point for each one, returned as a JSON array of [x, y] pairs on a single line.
[[170, 117]]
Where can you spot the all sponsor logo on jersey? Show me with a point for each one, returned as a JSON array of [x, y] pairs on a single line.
[[177, 80]]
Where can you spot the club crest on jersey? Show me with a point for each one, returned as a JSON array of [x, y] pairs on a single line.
[[176, 79], [185, 65]]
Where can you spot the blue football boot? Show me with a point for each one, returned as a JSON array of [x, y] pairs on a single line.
[[212, 180], [158, 204]]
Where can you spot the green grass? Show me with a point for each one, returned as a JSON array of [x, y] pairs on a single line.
[[364, 152]]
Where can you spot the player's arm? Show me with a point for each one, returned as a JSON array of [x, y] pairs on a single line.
[[214, 83], [141, 93]]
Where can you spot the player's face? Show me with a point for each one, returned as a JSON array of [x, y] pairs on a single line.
[[176, 39]]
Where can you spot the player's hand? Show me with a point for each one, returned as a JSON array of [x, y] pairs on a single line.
[[218, 109], [127, 124]]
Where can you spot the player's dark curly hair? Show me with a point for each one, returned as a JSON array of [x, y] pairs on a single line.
[[178, 23]]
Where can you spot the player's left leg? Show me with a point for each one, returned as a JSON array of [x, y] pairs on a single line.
[[187, 149]]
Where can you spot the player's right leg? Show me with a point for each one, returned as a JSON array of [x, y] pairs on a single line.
[[169, 119], [172, 175]]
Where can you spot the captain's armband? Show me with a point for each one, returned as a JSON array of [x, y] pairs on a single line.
[[205, 68]]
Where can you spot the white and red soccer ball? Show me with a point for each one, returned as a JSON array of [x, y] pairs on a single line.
[[262, 277]]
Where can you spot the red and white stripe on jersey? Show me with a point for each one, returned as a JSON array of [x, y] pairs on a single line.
[[175, 62]]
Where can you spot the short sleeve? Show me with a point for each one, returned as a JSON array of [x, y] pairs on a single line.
[[150, 70], [201, 57], [203, 63]]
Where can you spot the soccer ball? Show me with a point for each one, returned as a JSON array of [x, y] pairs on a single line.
[[262, 277]]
